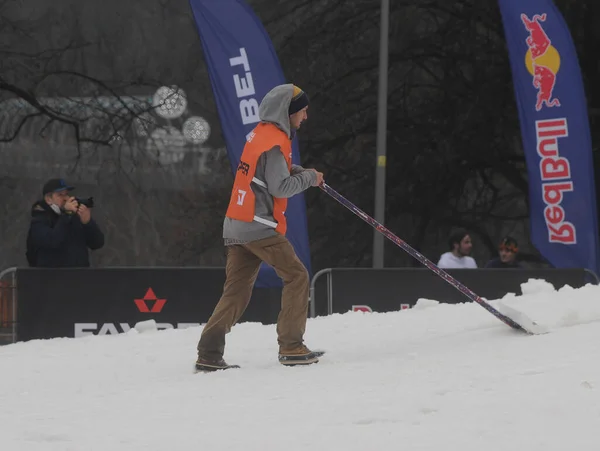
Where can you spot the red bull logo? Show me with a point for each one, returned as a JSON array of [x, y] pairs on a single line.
[[542, 61]]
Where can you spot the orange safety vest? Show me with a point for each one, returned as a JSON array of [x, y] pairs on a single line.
[[241, 205]]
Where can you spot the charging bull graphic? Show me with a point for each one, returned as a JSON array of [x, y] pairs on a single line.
[[542, 60]]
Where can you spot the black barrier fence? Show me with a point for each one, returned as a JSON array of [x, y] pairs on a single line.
[[77, 302], [47, 303], [338, 290]]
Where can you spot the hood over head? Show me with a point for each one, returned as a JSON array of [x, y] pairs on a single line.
[[275, 107]]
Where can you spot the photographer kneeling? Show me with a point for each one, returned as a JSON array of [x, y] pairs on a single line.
[[61, 229]]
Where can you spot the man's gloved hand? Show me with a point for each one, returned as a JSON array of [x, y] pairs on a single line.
[[319, 177], [84, 214]]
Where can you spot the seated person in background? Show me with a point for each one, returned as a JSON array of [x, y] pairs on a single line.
[[507, 255], [61, 229], [460, 248]]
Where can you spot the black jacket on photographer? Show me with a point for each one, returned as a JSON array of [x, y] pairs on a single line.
[[60, 240]]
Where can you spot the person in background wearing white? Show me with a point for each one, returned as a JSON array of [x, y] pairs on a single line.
[[460, 248]]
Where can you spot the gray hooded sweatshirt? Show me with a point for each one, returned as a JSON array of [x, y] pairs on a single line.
[[271, 168]]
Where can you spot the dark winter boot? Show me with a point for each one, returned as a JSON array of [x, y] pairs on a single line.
[[299, 356], [206, 366]]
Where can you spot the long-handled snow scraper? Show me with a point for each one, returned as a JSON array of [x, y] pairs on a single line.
[[517, 320]]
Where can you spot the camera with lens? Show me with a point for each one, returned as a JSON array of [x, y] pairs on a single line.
[[88, 202]]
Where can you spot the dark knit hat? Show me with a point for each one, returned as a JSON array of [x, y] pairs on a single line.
[[299, 100]]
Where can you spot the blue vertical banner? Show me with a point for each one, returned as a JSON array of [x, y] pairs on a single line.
[[243, 67], [555, 131]]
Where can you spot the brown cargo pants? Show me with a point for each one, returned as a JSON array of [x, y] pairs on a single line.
[[243, 262]]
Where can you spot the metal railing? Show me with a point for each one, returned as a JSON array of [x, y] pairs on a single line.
[[8, 306], [313, 308]]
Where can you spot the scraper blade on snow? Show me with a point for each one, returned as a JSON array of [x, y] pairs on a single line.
[[516, 320]]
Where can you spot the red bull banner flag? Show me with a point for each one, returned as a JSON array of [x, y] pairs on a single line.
[[555, 131], [242, 67]]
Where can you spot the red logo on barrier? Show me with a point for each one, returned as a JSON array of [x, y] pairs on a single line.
[[361, 308], [142, 304]]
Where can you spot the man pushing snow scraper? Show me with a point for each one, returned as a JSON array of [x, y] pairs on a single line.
[[254, 232]]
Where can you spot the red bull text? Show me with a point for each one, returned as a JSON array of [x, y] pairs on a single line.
[[555, 172]]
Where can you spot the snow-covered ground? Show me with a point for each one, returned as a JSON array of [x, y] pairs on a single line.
[[437, 377]]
